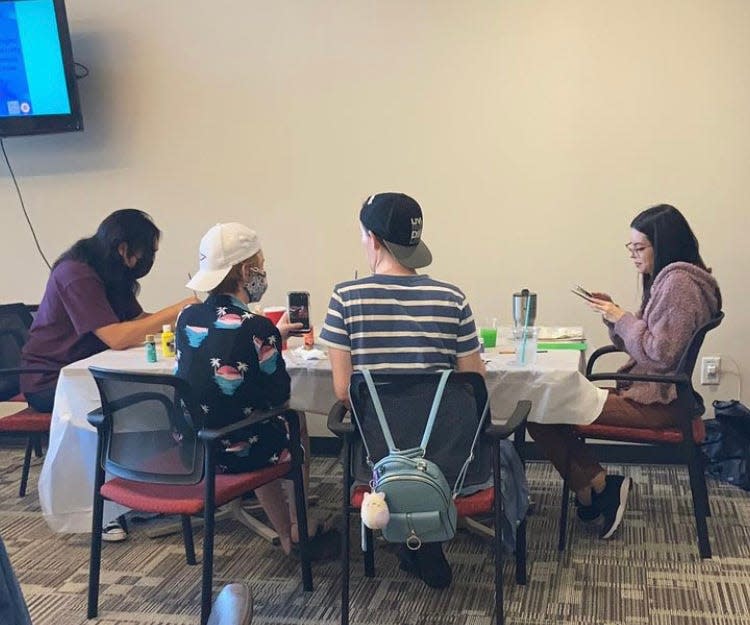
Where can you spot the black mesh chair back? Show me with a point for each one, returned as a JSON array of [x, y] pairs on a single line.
[[688, 360], [152, 431], [406, 399], [15, 321]]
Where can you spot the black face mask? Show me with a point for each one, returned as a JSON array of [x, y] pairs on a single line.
[[142, 267]]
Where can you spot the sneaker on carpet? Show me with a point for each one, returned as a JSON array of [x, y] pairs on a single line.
[[587, 514], [611, 503], [113, 532], [428, 563], [321, 547]]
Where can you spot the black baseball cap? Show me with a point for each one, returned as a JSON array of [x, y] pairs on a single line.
[[396, 219]]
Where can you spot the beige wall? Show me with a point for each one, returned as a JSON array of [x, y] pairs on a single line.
[[530, 131]]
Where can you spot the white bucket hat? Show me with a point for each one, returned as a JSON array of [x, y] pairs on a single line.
[[221, 248]]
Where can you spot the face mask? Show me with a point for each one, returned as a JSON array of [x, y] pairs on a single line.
[[256, 286], [142, 267]]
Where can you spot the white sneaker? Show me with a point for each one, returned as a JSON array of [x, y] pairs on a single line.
[[113, 532]]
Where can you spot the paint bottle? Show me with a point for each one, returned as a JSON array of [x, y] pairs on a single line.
[[167, 341], [150, 348]]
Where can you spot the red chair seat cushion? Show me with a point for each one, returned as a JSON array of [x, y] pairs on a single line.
[[26, 420], [665, 436], [477, 503], [187, 499]]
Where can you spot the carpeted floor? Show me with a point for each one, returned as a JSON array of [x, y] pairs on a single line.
[[650, 574]]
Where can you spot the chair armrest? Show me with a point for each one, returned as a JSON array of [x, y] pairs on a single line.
[[256, 416], [336, 422], [517, 420], [96, 417], [607, 349], [677, 378]]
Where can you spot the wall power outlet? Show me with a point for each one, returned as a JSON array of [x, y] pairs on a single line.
[[710, 370]]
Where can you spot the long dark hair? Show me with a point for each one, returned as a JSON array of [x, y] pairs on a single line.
[[671, 238], [130, 226]]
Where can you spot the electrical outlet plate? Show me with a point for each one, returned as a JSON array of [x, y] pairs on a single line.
[[710, 369]]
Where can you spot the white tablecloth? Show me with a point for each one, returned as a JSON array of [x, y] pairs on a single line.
[[556, 388]]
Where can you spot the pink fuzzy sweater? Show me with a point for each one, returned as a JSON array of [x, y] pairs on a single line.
[[683, 298]]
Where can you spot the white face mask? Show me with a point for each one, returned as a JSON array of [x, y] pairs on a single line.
[[256, 286]]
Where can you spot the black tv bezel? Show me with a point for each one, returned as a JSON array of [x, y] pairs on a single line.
[[22, 125]]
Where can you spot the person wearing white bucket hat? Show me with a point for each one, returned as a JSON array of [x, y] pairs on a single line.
[[232, 359]]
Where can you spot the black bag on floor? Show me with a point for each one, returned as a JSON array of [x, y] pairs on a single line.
[[726, 450]]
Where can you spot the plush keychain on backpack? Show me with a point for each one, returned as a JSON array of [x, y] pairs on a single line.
[[374, 512]]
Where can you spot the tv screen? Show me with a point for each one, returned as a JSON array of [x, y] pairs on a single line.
[[37, 76]]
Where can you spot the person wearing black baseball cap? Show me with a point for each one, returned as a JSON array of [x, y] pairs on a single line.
[[398, 320], [396, 220]]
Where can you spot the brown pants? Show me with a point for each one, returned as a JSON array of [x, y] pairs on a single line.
[[573, 459]]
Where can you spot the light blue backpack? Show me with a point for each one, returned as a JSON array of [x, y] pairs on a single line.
[[418, 496]]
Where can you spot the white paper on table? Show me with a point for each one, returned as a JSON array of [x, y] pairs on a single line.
[[309, 354], [559, 333]]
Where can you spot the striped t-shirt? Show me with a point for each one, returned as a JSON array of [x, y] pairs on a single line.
[[392, 323]]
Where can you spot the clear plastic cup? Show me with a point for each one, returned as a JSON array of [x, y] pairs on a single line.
[[524, 342], [489, 335]]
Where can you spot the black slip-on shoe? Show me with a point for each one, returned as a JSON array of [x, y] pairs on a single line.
[[611, 503], [587, 514]]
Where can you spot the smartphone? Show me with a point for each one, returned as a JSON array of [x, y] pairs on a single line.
[[299, 309], [582, 293]]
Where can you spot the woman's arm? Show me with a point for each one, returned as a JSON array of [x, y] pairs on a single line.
[[126, 334], [673, 314]]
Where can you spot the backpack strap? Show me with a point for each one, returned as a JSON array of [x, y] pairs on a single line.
[[434, 409], [379, 411], [381, 415], [465, 468]]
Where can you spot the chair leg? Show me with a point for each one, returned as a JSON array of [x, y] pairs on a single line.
[[345, 520], [700, 499], [498, 542], [369, 553], [95, 559], [38, 445], [26, 466], [187, 539], [207, 577], [701, 468], [563, 516], [521, 575], [301, 502]]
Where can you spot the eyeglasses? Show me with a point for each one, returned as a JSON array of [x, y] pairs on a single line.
[[635, 249]]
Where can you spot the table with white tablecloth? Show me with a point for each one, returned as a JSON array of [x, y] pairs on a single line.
[[558, 391]]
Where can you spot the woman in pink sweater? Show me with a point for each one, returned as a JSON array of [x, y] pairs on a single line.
[[679, 296]]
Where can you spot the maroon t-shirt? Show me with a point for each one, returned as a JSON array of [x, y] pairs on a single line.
[[75, 303]]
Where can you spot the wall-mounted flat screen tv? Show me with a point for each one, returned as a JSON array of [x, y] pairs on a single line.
[[38, 91]]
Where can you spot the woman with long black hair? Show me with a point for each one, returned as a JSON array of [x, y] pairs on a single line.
[[679, 296], [90, 303]]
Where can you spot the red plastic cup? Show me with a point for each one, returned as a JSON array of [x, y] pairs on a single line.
[[275, 313]]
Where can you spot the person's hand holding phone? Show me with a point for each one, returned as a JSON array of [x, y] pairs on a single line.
[[601, 303], [287, 329]]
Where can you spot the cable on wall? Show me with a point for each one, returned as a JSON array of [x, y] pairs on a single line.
[[23, 205]]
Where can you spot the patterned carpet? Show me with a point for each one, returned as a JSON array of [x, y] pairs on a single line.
[[650, 574]]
